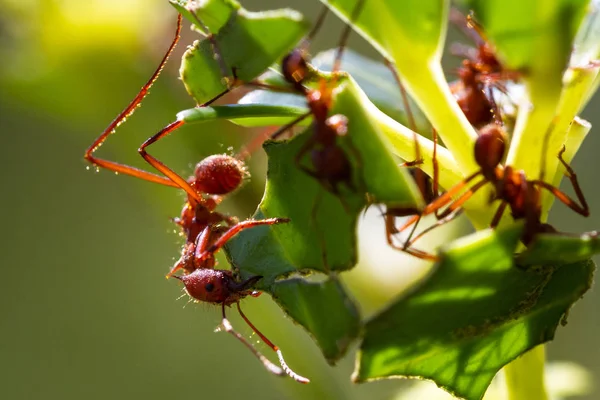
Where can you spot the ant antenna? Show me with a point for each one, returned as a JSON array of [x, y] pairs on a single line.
[[284, 365], [316, 28], [346, 34], [480, 38]]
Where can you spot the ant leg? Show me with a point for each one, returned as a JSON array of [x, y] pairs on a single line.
[[452, 208], [337, 62], [581, 208], [446, 198], [249, 149], [173, 176], [234, 230], [498, 215], [284, 365], [420, 177], [489, 94], [440, 222], [272, 368], [127, 112], [284, 128], [468, 26]]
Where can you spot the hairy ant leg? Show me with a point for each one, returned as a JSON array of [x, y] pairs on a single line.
[[276, 349], [269, 366], [127, 112]]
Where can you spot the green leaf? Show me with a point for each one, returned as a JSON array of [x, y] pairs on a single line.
[[248, 43], [559, 249], [411, 35], [322, 233], [475, 314], [534, 37], [400, 138], [243, 114], [375, 79], [324, 309]]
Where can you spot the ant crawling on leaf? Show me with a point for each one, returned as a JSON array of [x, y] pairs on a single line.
[[330, 163], [479, 74], [214, 177], [511, 187]]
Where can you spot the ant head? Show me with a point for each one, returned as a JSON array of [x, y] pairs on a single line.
[[216, 286], [218, 174], [490, 147], [295, 68]]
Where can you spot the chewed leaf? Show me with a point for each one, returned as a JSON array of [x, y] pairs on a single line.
[[247, 42], [321, 235], [475, 314], [324, 309]]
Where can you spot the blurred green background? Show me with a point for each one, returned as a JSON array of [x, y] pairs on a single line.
[[86, 311]]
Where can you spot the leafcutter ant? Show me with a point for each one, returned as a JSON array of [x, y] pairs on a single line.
[[330, 165], [479, 74], [214, 177], [511, 187]]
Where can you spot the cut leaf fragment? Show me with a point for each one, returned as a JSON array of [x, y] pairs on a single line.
[[248, 43], [321, 235], [324, 309], [475, 314]]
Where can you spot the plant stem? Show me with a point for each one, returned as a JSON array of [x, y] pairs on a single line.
[[525, 376]]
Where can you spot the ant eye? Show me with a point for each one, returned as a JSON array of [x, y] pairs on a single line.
[[209, 287]]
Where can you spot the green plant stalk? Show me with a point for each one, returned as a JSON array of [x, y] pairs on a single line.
[[402, 140], [575, 136], [525, 376], [428, 86]]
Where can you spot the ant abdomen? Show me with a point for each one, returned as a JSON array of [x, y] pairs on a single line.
[[490, 147], [295, 68], [218, 174]]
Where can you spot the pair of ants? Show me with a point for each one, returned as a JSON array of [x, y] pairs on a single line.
[[207, 231]]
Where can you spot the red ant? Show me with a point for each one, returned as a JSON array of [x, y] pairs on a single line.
[[214, 176], [330, 164], [512, 187], [478, 74]]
